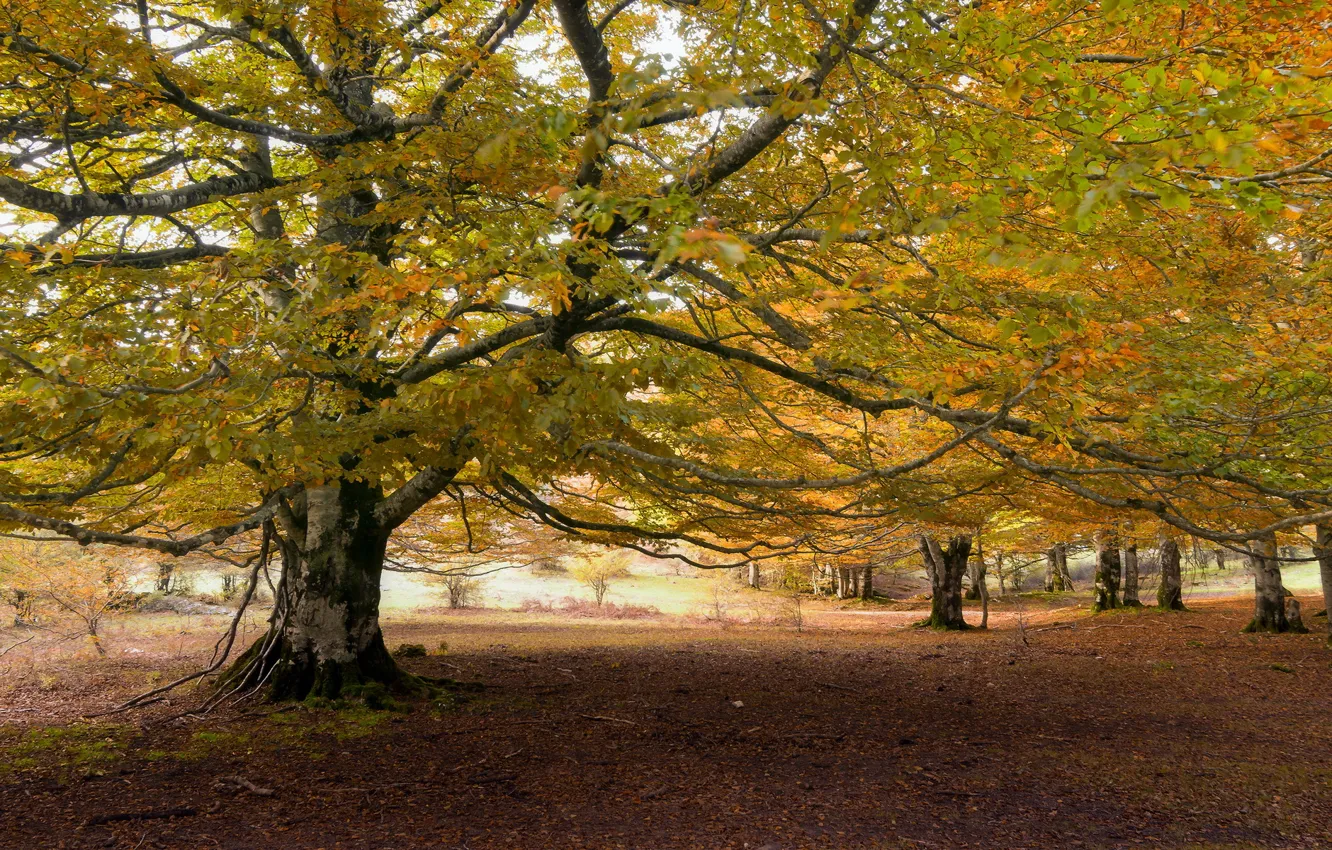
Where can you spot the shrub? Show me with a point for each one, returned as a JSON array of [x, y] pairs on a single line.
[[410, 650], [572, 607]]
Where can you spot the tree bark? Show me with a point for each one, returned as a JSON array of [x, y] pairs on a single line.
[[867, 582], [945, 568], [754, 577], [1170, 592], [1220, 555], [975, 572], [325, 639], [976, 567], [1054, 576], [1324, 553], [1131, 576], [164, 572], [985, 603], [1061, 552], [1108, 569], [1269, 598]]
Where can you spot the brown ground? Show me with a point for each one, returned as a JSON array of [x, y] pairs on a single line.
[[1128, 729]]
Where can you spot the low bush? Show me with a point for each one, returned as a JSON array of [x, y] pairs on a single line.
[[572, 607]]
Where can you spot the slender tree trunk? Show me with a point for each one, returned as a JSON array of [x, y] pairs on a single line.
[[1131, 576], [867, 582], [754, 577], [1170, 592], [1108, 570], [1324, 553], [975, 571], [985, 604], [1269, 599], [945, 568], [976, 567], [325, 639]]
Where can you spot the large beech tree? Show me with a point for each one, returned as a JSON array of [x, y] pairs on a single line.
[[298, 270]]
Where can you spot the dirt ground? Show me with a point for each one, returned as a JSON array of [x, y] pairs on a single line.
[[1122, 730]]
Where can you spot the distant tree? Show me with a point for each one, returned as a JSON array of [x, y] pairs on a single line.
[[598, 572], [461, 587], [74, 585]]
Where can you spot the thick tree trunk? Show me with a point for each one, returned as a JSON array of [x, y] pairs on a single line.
[[945, 568], [1170, 592], [754, 577], [1324, 553], [867, 583], [163, 581], [847, 583], [325, 639], [1061, 555], [1131, 576], [1054, 576], [1269, 598], [1220, 555], [1108, 570]]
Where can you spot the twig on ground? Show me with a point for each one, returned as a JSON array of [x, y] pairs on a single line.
[[837, 687], [155, 814], [607, 719], [234, 782]]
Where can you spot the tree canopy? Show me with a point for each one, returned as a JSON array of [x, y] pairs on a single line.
[[750, 277]]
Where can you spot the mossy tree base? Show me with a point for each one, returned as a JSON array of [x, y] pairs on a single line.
[[942, 624], [284, 674], [276, 667]]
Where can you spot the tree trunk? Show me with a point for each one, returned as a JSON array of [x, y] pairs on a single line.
[[163, 582], [1220, 555], [985, 599], [1108, 570], [1324, 553], [1054, 576], [976, 567], [325, 639], [1131, 576], [867, 583], [945, 568], [1269, 598], [1061, 554], [754, 577], [1170, 592]]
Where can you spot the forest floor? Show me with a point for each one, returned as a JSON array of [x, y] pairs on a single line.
[[1054, 729]]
